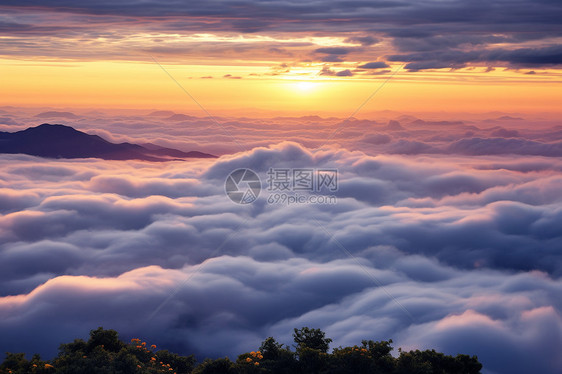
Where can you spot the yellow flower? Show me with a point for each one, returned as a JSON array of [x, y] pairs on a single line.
[[48, 366], [153, 346], [256, 364], [248, 359]]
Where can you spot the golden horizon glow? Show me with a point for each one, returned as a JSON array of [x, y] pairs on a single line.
[[305, 87], [227, 89]]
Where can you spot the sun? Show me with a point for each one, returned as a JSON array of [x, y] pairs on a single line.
[[301, 89], [304, 86]]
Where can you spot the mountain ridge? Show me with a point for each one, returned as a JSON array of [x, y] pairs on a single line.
[[61, 141]]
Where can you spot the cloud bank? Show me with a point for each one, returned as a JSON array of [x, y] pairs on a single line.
[[424, 34], [447, 247]]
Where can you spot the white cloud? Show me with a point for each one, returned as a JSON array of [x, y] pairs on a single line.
[[467, 245]]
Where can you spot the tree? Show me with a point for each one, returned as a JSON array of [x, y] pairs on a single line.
[[311, 338], [16, 363], [277, 358], [431, 362], [107, 339], [218, 366], [182, 364], [468, 364], [312, 361], [383, 362], [78, 345], [350, 360], [104, 353], [270, 348]]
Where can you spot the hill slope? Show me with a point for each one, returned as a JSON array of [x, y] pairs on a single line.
[[59, 141]]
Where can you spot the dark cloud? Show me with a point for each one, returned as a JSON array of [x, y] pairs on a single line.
[[344, 73], [546, 56], [333, 51], [436, 58], [545, 12], [333, 54], [331, 58], [374, 65], [427, 34], [363, 40], [326, 71]]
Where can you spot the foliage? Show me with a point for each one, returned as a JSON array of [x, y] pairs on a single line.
[[311, 338], [218, 366], [432, 362], [105, 353]]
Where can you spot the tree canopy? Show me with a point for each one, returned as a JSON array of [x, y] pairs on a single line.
[[105, 353]]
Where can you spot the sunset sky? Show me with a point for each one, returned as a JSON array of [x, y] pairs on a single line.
[[323, 57], [442, 119]]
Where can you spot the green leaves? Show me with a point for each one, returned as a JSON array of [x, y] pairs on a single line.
[[105, 353], [311, 338]]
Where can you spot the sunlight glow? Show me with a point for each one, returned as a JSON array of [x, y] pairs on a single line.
[[304, 86]]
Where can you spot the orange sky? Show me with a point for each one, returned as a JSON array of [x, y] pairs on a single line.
[[135, 85], [298, 58]]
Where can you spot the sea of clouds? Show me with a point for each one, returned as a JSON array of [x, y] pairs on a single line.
[[446, 234]]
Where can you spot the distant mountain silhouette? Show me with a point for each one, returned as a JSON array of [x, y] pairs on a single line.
[[53, 114], [181, 117], [161, 113], [59, 141], [157, 150]]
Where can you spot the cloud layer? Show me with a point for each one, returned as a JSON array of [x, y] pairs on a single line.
[[424, 34], [432, 244]]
